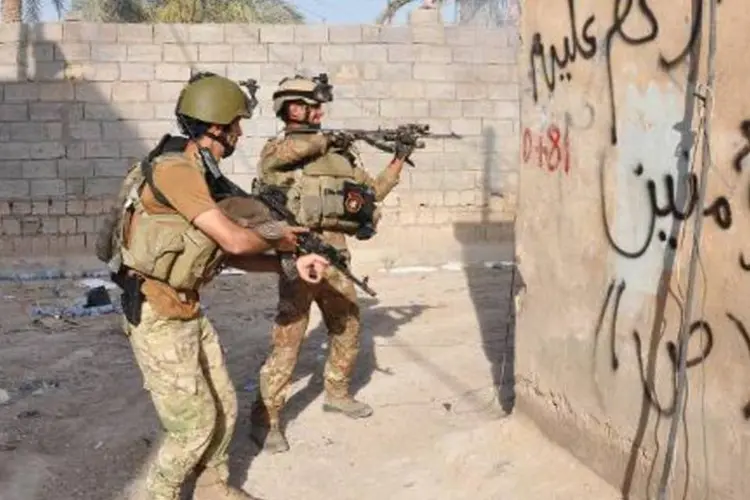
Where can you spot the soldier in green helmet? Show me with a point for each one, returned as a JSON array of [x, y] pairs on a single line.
[[167, 238]]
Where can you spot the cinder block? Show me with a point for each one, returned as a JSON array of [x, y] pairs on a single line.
[[271, 73], [40, 169], [86, 224], [49, 225], [491, 73], [504, 92], [243, 34], [311, 53], [39, 207], [180, 53], [244, 71], [100, 149], [160, 91], [345, 34], [10, 170], [46, 150], [75, 151], [72, 169], [466, 126], [206, 33], [461, 36], [310, 33], [250, 53], [48, 187], [171, 33], [75, 243], [370, 90], [213, 52], [337, 53], [136, 72], [104, 72], [29, 132], [55, 111], [13, 189], [14, 150], [86, 130], [9, 72], [21, 207], [217, 68], [432, 35], [371, 53], [394, 34], [168, 72], [14, 112], [102, 186], [57, 91], [144, 53], [10, 33], [67, 225], [433, 72], [89, 32], [279, 33], [110, 168], [440, 90], [284, 53], [10, 226], [407, 90], [393, 72], [153, 129], [445, 109], [93, 92], [11, 53], [27, 91], [46, 71], [135, 33], [73, 51]]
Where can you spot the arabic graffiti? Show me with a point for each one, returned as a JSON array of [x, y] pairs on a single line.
[[700, 326], [555, 63], [552, 148], [719, 210]]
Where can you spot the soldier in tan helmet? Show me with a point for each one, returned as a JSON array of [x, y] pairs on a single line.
[[167, 238], [333, 196]]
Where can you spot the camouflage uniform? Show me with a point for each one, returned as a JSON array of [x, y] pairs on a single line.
[[335, 296]]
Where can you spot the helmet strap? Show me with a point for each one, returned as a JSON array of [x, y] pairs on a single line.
[[221, 139]]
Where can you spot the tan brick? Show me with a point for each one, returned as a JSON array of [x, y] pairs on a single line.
[[440, 90], [345, 34], [86, 224], [130, 91], [445, 109], [132, 32], [26, 91], [394, 34], [407, 90], [46, 71], [67, 225], [102, 186], [282, 33], [337, 53], [144, 53], [85, 130], [105, 72], [213, 52], [56, 207], [10, 189], [73, 51], [21, 207], [394, 72], [370, 53], [102, 149], [503, 92], [10, 226], [49, 225], [433, 35], [40, 169], [310, 33], [180, 53], [250, 53], [491, 73], [55, 111], [466, 126], [89, 32], [46, 150], [284, 53], [75, 242], [14, 112], [58, 91], [163, 91], [171, 33], [311, 53], [206, 33], [244, 34], [71, 169], [136, 72], [172, 72], [461, 36], [48, 187]]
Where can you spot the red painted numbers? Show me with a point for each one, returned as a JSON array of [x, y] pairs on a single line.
[[550, 149]]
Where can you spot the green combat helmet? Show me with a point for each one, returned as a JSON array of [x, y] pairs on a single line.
[[214, 99]]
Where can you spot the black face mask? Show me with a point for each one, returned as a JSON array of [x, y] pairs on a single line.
[[228, 148]]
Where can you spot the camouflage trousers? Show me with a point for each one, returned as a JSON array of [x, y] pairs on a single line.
[[337, 300], [183, 369]]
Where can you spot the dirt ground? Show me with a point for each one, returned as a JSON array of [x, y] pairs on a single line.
[[76, 424]]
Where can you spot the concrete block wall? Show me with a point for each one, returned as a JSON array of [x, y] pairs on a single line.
[[81, 102]]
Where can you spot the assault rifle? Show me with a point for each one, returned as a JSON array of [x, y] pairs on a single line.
[[275, 200], [389, 140]]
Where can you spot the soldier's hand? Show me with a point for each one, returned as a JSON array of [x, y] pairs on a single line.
[[311, 267], [340, 140], [288, 242]]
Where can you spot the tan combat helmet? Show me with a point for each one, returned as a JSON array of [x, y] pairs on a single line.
[[211, 98], [298, 88]]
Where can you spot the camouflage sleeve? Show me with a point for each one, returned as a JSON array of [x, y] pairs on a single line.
[[382, 184], [282, 154], [253, 214]]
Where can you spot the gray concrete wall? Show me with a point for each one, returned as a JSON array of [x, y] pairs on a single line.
[[80, 102], [604, 251]]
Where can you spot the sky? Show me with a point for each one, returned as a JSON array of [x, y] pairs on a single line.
[[328, 11]]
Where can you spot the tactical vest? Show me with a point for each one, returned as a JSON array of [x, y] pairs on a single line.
[[164, 247], [322, 194]]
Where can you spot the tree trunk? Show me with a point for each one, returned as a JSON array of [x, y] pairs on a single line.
[[12, 11]]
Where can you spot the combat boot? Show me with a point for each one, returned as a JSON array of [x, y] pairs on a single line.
[[348, 406], [211, 486], [266, 430]]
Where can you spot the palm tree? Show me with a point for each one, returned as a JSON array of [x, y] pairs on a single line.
[[188, 11], [394, 6]]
